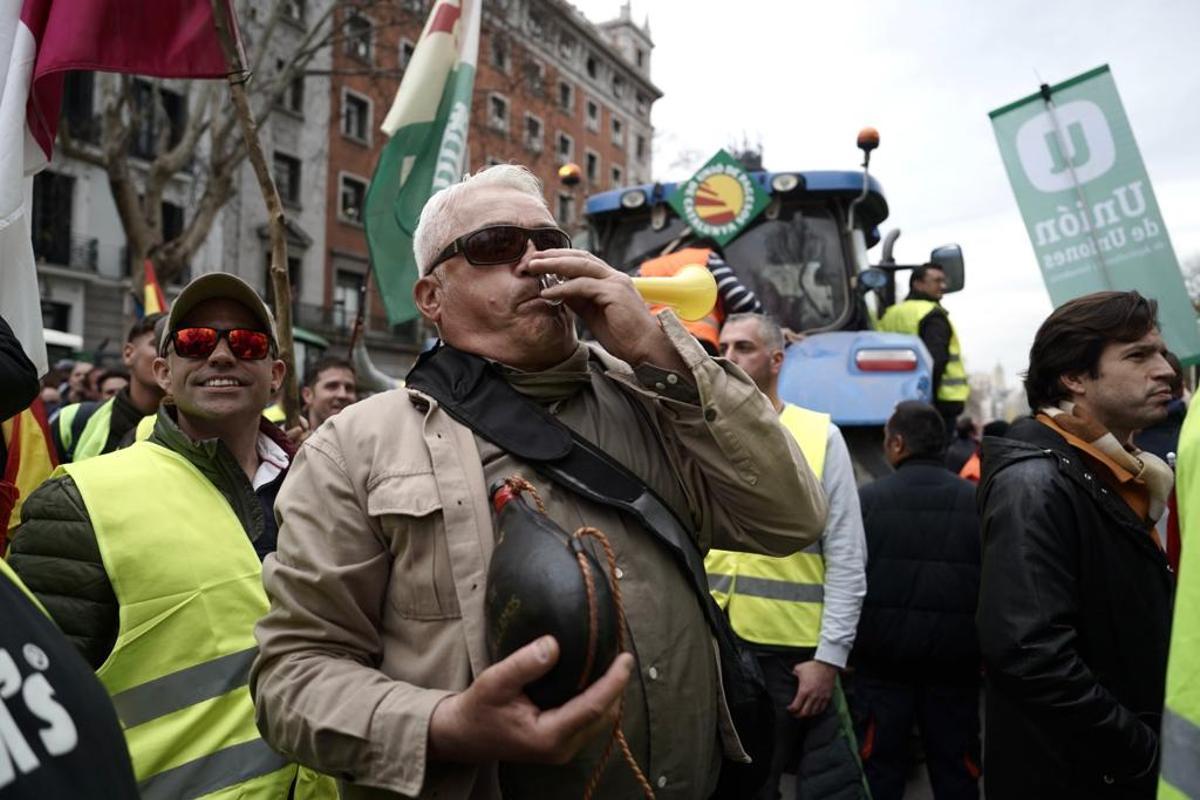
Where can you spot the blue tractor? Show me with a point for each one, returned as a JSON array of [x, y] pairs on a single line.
[[805, 256]]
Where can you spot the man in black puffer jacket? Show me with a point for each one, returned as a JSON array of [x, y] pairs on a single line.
[[1075, 594], [916, 659]]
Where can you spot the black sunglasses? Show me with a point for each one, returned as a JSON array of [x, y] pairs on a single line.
[[501, 244]]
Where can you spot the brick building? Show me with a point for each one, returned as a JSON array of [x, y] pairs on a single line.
[[551, 88]]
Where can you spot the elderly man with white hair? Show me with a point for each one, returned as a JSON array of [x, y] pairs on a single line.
[[373, 662]]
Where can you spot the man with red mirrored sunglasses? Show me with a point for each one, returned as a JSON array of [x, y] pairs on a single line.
[[149, 558], [373, 660]]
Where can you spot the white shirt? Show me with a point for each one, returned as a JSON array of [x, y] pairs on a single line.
[[844, 547], [272, 460]]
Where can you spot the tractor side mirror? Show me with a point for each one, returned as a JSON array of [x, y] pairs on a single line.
[[873, 279], [949, 259]]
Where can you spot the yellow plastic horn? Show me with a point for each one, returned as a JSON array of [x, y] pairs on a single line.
[[691, 292]]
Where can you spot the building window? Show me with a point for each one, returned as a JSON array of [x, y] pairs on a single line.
[[292, 97], [566, 208], [618, 86], [593, 116], [535, 78], [592, 67], [500, 57], [51, 217], [294, 10], [639, 147], [617, 176], [618, 131], [407, 48], [357, 31], [566, 97], [566, 47], [643, 105], [293, 268], [78, 107], [533, 133], [565, 148], [150, 104], [641, 58], [287, 178], [351, 197], [356, 116], [498, 113], [592, 166], [347, 291], [57, 317], [535, 24], [172, 221]]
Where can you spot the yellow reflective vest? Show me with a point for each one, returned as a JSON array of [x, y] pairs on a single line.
[[1180, 739], [769, 600], [906, 318], [189, 588], [95, 431], [94, 435]]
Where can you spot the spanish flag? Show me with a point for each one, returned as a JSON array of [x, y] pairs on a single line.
[[153, 300], [30, 460]]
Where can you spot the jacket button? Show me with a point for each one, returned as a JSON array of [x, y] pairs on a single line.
[[1108, 779], [710, 414]]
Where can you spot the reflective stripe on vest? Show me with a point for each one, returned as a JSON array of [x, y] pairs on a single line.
[[179, 670], [1180, 740], [707, 329], [777, 601], [906, 317]]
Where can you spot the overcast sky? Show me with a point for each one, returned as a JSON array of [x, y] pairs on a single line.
[[803, 77]]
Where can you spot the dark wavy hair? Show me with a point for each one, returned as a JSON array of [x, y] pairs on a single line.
[[1073, 337]]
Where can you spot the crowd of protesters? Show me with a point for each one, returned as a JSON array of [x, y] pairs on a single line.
[[199, 603]]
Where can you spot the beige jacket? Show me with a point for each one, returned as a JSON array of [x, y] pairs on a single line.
[[377, 586]]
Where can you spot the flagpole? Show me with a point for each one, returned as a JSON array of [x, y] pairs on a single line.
[[280, 281], [1046, 91]]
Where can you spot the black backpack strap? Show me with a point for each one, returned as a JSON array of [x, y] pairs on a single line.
[[472, 391]]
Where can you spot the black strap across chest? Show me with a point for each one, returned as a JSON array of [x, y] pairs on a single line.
[[473, 392]]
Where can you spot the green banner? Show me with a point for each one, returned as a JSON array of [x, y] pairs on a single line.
[[427, 150], [1088, 205], [720, 199]]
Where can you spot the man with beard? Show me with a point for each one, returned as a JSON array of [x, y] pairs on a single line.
[[1075, 598]]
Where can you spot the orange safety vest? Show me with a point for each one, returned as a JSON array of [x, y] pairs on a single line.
[[970, 470], [707, 329]]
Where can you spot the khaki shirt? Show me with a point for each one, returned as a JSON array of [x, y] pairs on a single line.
[[377, 588]]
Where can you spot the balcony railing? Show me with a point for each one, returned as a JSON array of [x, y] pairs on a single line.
[[50, 246], [334, 321]]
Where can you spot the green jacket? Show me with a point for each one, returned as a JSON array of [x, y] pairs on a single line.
[[56, 555]]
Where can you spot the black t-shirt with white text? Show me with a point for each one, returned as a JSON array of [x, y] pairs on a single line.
[[59, 735]]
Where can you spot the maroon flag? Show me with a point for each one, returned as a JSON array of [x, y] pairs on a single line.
[[160, 38], [40, 41]]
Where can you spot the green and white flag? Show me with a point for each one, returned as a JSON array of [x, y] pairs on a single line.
[[427, 146], [1088, 205]]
